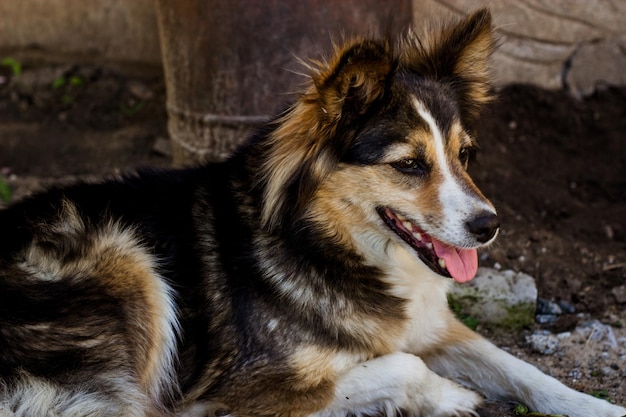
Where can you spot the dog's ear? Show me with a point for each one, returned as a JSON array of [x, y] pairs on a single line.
[[457, 55], [357, 75], [304, 147]]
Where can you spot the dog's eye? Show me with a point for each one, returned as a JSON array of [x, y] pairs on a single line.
[[465, 154], [411, 166]]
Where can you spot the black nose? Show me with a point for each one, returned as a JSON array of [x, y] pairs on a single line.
[[484, 226]]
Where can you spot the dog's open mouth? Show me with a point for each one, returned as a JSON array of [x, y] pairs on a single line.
[[446, 260]]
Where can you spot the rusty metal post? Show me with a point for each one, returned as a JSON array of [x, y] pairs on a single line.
[[229, 64]]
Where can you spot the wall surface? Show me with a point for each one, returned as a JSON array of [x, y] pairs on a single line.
[[116, 30], [572, 44]]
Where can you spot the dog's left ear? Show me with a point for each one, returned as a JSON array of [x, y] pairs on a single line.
[[459, 56], [357, 75], [304, 148]]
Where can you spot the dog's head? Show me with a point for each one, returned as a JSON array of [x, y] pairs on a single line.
[[376, 150]]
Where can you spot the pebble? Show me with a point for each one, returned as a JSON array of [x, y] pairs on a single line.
[[140, 90], [545, 344], [566, 307], [162, 146], [620, 294], [575, 373], [607, 371], [596, 331], [42, 77], [548, 307], [545, 318]]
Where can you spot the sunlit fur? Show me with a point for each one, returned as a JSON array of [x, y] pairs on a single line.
[[277, 283]]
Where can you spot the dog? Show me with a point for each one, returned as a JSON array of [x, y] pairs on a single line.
[[306, 275]]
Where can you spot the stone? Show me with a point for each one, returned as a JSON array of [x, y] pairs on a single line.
[[502, 299], [162, 146], [548, 307], [597, 64], [545, 344], [594, 330], [545, 318], [566, 307], [620, 294], [578, 44]]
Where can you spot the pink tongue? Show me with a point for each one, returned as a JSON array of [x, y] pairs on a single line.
[[461, 263]]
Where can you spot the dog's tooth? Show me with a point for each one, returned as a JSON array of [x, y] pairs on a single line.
[[407, 224], [430, 245], [442, 263], [417, 236]]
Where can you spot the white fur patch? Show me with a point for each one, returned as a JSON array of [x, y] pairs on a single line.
[[458, 206], [398, 381], [32, 396]]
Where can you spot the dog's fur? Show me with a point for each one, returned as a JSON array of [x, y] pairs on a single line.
[[286, 281]]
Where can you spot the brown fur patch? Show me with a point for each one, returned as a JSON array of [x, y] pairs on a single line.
[[69, 249], [457, 53], [302, 152], [130, 274]]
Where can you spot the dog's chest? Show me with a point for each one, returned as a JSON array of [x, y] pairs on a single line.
[[427, 311]]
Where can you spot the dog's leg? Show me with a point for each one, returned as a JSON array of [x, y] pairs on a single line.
[[398, 381], [473, 361]]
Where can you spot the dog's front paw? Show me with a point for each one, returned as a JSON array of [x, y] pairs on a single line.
[[616, 411], [457, 401], [443, 398]]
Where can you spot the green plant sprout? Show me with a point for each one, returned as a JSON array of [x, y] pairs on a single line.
[[16, 67], [5, 191], [522, 410]]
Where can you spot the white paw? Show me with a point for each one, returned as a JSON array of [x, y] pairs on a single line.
[[457, 401], [615, 411]]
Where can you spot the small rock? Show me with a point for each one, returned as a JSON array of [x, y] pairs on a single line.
[[594, 330], [575, 373], [545, 318], [140, 90], [548, 307], [162, 146], [607, 371], [505, 299], [620, 294], [566, 307], [545, 344], [41, 77]]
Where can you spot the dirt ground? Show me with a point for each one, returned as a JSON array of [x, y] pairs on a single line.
[[555, 168]]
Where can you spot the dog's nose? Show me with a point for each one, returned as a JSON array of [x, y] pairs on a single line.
[[484, 226]]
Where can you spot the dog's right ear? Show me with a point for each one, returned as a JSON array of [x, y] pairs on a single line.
[[356, 76]]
